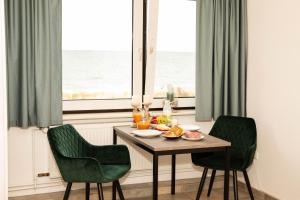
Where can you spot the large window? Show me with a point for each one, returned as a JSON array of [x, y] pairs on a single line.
[[97, 49], [175, 55], [103, 52]]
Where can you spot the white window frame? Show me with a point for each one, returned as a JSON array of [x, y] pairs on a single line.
[[137, 61], [151, 59], [137, 68]]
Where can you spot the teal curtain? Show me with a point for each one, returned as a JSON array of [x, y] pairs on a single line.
[[221, 58], [34, 62]]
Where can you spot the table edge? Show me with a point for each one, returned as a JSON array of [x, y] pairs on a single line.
[[115, 128]]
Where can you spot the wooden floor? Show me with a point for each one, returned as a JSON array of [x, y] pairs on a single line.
[[216, 194], [185, 190]]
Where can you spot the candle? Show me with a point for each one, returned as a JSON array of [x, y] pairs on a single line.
[[135, 100], [147, 99]]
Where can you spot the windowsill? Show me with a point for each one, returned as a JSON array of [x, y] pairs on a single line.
[[117, 115]]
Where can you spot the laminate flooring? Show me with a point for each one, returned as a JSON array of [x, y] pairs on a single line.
[[186, 189]]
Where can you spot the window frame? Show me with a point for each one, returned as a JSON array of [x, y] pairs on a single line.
[[182, 102], [137, 55], [144, 37]]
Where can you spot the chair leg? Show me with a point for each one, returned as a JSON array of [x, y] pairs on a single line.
[[87, 191], [235, 185], [119, 190], [68, 189], [248, 184], [211, 183], [114, 192], [201, 185], [100, 195]]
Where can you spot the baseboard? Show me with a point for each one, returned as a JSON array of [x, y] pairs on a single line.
[[137, 183], [257, 193], [132, 178], [183, 185]]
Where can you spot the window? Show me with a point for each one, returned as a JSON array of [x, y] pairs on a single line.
[[103, 52], [94, 50], [98, 52], [171, 50], [175, 48]]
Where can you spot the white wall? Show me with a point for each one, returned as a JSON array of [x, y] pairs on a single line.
[[274, 94], [3, 116]]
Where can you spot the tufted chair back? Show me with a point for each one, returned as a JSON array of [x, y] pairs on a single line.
[[65, 140], [241, 132]]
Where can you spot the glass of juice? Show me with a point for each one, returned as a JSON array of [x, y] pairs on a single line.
[[143, 124], [137, 116]]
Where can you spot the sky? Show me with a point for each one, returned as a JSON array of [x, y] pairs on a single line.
[[107, 25]]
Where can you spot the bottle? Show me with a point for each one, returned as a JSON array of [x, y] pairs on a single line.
[[167, 110], [170, 93]]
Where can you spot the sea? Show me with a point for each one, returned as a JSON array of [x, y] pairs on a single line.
[[108, 74]]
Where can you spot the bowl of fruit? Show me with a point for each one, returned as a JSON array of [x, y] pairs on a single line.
[[160, 120]]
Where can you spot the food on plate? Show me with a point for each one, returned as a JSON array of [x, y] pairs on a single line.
[[162, 127], [192, 134], [174, 132], [177, 130]]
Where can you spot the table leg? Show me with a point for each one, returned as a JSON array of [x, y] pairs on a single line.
[[227, 170], [114, 137], [173, 174], [155, 177]]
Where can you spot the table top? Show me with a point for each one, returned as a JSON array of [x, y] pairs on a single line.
[[160, 144]]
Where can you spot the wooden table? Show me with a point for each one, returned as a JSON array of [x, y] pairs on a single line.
[[159, 146]]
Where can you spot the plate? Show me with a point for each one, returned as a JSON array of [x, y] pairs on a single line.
[[170, 137], [192, 139], [189, 127], [146, 133]]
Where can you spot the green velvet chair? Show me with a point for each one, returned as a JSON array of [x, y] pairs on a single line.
[[241, 132], [82, 162]]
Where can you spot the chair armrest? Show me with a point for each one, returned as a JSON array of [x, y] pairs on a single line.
[[83, 169], [249, 156], [111, 154]]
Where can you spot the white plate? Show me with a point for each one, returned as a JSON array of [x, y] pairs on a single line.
[[189, 127], [146, 133], [192, 139]]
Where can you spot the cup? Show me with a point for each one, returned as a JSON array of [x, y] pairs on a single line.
[[137, 117], [144, 124]]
